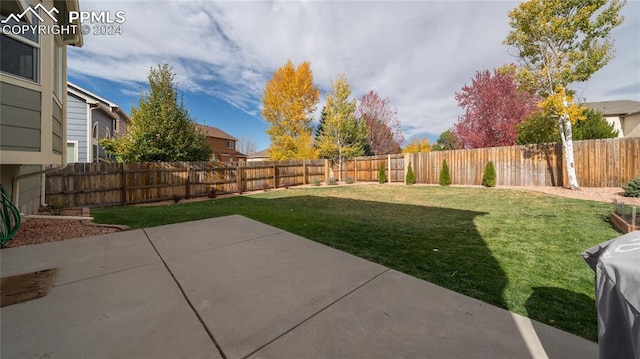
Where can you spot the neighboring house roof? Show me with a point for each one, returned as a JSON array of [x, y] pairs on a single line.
[[260, 154], [217, 133], [105, 105], [615, 108]]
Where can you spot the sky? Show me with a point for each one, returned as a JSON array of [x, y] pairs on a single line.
[[417, 54]]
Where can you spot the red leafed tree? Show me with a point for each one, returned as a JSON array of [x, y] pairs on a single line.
[[385, 131], [494, 106]]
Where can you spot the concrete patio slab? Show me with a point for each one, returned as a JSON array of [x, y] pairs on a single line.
[[81, 258], [398, 316], [257, 290], [134, 313], [233, 287], [195, 236]]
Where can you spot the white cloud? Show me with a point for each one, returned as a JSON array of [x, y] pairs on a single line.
[[416, 53]]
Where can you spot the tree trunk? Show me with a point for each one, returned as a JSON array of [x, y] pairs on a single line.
[[566, 134], [340, 160]]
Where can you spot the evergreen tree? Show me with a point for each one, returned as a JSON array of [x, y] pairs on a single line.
[[445, 175], [161, 128], [382, 174], [411, 177], [489, 175]]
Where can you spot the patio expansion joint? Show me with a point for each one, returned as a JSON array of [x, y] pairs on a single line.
[[317, 313], [107, 273], [222, 245], [184, 294]]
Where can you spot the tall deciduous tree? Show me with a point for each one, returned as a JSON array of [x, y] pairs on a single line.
[[342, 134], [384, 129], [493, 106], [246, 146], [289, 100], [560, 42], [161, 129]]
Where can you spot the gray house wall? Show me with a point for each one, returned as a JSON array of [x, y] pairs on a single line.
[[57, 132], [29, 192], [77, 125], [104, 122], [21, 123]]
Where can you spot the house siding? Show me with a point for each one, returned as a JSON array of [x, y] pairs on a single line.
[[57, 128], [77, 125], [30, 190], [104, 122], [632, 125], [21, 125]]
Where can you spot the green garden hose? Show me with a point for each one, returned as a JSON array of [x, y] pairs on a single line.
[[10, 218]]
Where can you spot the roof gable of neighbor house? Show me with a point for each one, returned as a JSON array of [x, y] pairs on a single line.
[[615, 108], [217, 133], [106, 106]]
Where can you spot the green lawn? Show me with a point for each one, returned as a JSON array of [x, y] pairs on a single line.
[[514, 249]]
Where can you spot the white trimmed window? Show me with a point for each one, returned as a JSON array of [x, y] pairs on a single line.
[[231, 145], [19, 52]]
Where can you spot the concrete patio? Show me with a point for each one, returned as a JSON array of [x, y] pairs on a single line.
[[232, 287]]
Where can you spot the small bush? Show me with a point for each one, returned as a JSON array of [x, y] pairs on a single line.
[[411, 177], [489, 175], [56, 206], [332, 181], [176, 198], [445, 175], [315, 182], [632, 189], [350, 180], [382, 174], [265, 187]]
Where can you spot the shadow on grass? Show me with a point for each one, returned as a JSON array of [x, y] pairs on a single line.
[[559, 308]]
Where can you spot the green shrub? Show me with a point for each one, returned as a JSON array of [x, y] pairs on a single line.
[[445, 175], [489, 175], [332, 181], [411, 177], [350, 180], [315, 182], [632, 189], [382, 174]]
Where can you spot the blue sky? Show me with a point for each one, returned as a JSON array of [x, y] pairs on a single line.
[[416, 53]]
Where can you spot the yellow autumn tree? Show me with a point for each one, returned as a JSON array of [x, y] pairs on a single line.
[[289, 100], [417, 145]]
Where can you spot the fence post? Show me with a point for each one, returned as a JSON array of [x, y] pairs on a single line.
[[123, 182], [326, 171], [275, 175], [389, 168], [304, 173], [187, 189], [239, 177]]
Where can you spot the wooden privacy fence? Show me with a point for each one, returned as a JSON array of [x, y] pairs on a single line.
[[366, 168], [599, 163], [103, 184]]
